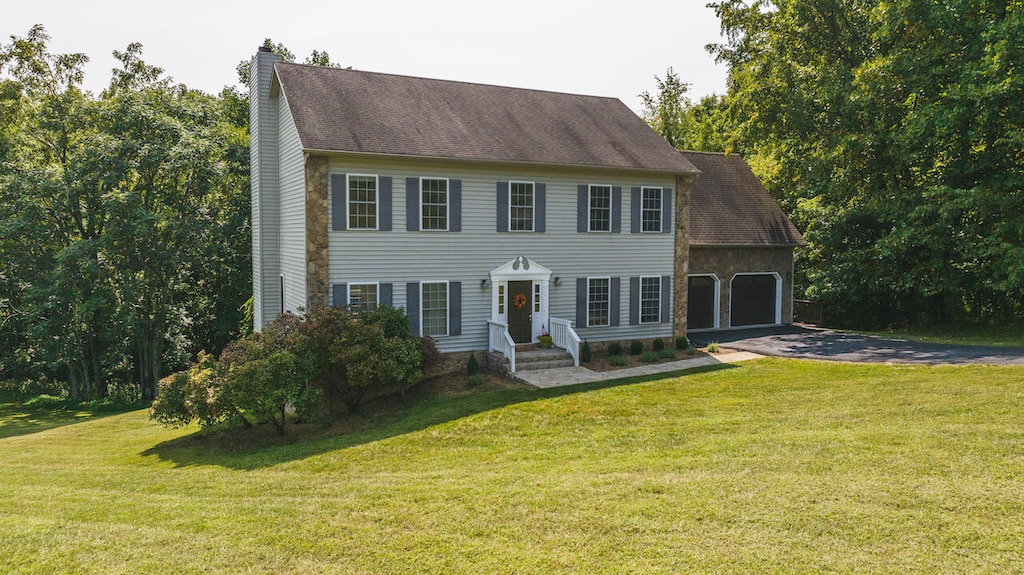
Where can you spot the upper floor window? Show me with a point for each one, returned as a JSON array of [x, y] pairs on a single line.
[[650, 209], [521, 206], [600, 208], [362, 202], [434, 204]]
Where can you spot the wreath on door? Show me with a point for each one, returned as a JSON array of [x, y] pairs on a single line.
[[519, 300]]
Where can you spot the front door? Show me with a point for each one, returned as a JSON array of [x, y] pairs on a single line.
[[520, 311]]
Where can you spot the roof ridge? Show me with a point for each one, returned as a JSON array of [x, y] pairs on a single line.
[[333, 69]]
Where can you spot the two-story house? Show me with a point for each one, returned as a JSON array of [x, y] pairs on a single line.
[[491, 214]]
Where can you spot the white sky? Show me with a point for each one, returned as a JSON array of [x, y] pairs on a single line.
[[596, 47]]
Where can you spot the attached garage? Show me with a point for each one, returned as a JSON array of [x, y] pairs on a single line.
[[702, 303], [756, 299]]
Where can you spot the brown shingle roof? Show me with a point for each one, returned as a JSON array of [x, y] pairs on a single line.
[[365, 112], [729, 206]]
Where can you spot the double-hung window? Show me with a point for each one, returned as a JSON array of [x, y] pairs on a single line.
[[650, 299], [434, 308], [521, 206], [362, 202], [598, 301], [362, 297], [600, 208], [650, 209], [434, 204]]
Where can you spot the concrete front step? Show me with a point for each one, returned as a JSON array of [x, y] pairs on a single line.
[[533, 359]]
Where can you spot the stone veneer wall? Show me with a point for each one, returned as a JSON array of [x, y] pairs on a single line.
[[317, 286], [682, 256], [725, 262]]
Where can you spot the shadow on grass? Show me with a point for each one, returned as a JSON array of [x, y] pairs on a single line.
[[25, 418], [260, 448]]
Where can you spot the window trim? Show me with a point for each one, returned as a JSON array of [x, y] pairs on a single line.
[[447, 205], [590, 198], [661, 208], [348, 293], [376, 201], [447, 308], [608, 302], [533, 205], [640, 300]]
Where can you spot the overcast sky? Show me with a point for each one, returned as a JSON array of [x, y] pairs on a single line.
[[595, 47]]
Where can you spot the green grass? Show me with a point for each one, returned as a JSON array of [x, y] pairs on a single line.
[[775, 466], [1000, 336]]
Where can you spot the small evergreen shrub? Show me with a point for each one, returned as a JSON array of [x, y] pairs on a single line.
[[713, 347], [636, 347], [682, 343], [586, 354], [691, 350], [476, 380], [667, 353], [649, 356], [658, 344], [617, 360], [614, 348], [472, 365]]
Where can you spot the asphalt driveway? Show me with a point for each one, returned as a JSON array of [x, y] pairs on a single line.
[[813, 343]]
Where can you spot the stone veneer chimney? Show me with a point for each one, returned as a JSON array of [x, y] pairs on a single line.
[[680, 297]]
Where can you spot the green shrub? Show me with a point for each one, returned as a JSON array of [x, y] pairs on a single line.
[[667, 353], [682, 343], [169, 407], [658, 344], [472, 366], [649, 356], [713, 347], [586, 354], [617, 360], [691, 350], [476, 380], [636, 347], [614, 348]]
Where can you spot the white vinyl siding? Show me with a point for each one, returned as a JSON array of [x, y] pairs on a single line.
[[402, 256], [650, 209], [362, 202], [650, 299], [600, 208], [434, 204], [598, 301], [434, 308], [292, 182], [520, 206]]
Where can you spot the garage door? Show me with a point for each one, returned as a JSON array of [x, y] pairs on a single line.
[[754, 300], [700, 307]]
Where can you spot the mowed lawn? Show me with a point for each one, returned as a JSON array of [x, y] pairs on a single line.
[[773, 466]]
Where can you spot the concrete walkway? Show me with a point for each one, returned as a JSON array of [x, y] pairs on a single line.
[[562, 376]]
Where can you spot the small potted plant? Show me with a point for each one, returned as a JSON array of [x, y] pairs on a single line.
[[544, 338]]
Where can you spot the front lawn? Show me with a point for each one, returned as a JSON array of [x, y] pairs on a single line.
[[999, 336], [772, 466]]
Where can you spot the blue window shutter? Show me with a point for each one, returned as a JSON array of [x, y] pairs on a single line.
[[634, 300], [539, 207], [339, 202], [582, 211], [581, 302], [455, 205], [339, 295], [666, 298], [454, 308], [412, 302], [412, 204], [502, 206], [634, 211], [384, 203], [386, 294], [616, 209], [613, 304], [667, 221]]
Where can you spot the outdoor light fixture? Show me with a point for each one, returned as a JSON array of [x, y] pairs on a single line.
[[485, 283]]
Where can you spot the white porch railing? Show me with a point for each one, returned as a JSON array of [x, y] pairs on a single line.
[[565, 337], [500, 340]]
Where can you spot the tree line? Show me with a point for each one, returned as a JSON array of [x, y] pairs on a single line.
[[891, 133]]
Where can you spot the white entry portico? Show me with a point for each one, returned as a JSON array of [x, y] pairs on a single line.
[[505, 304]]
